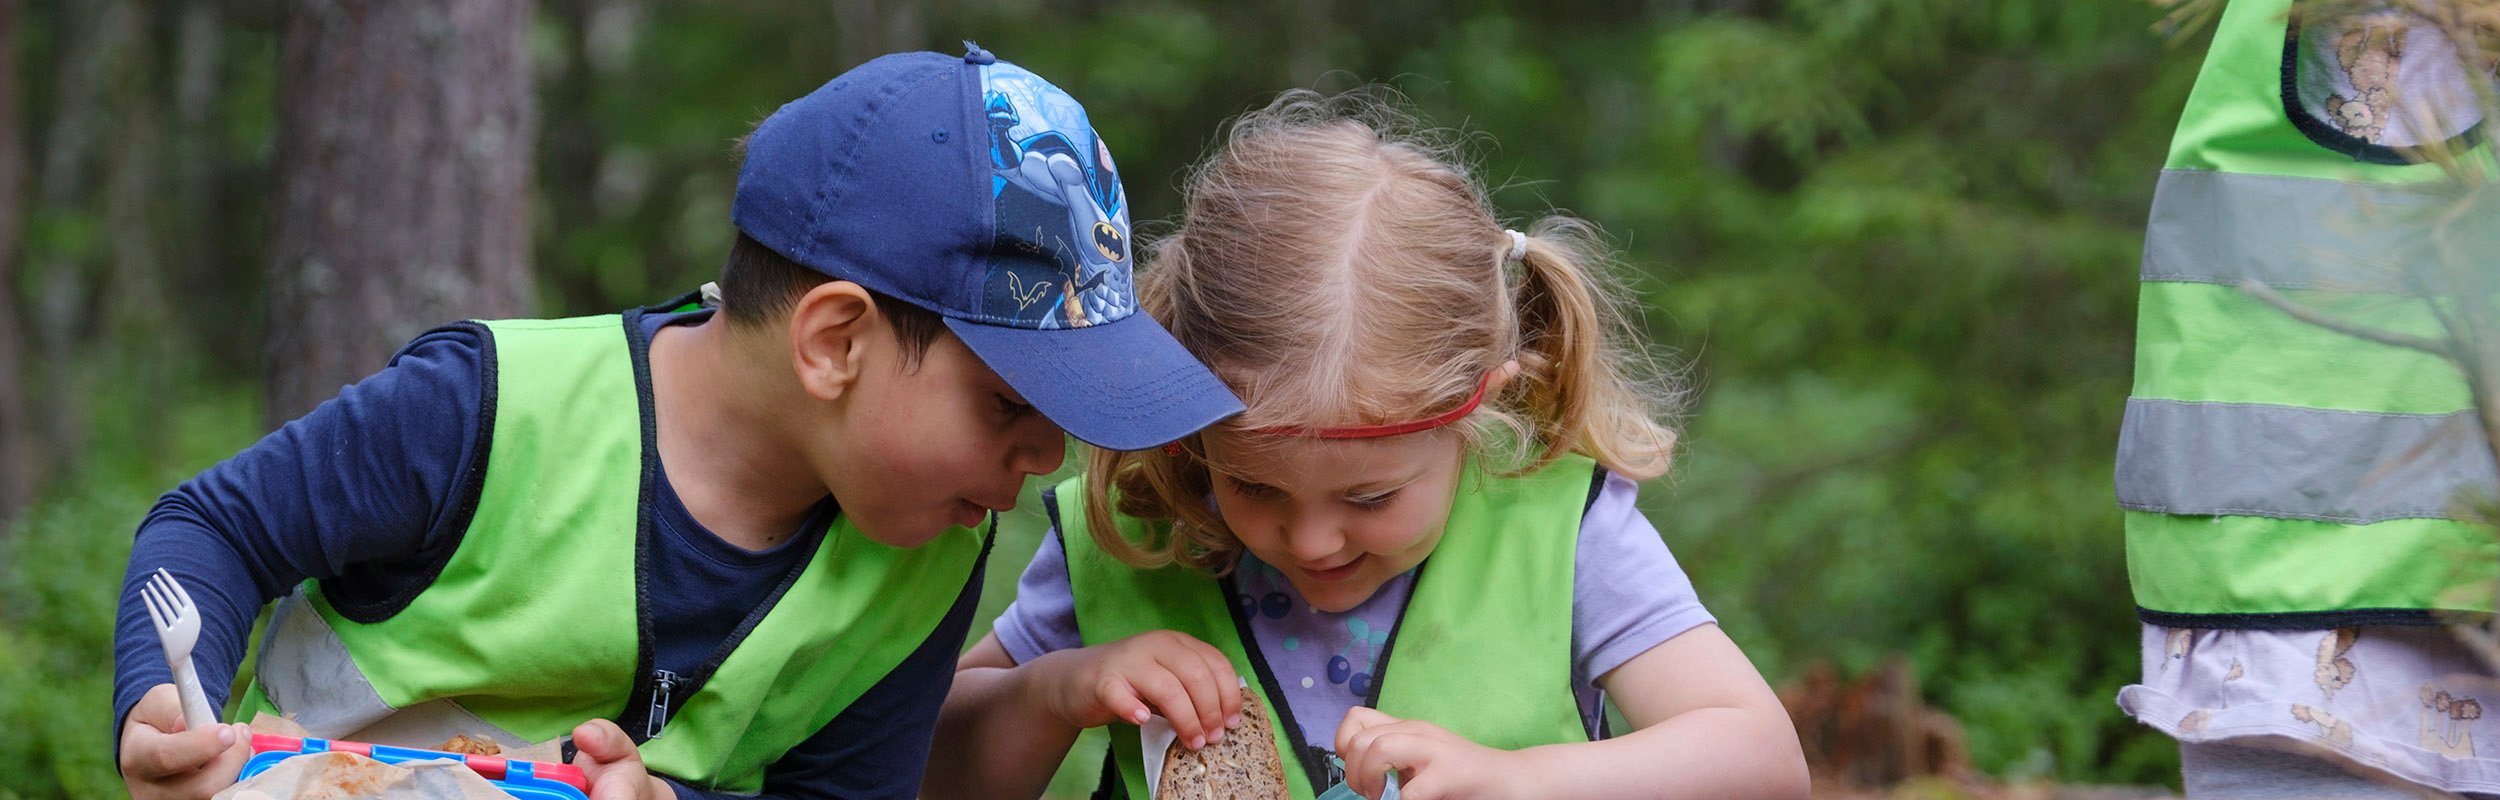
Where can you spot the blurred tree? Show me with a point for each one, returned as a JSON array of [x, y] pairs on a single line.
[[403, 162], [129, 298], [867, 29], [17, 453], [56, 294]]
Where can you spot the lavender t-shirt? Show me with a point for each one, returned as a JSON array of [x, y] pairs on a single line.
[[1628, 596]]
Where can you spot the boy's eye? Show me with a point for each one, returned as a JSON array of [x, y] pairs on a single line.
[[1010, 407]]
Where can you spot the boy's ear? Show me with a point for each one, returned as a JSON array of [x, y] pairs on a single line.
[[831, 328]]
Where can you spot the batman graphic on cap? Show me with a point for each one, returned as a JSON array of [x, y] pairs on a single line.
[[1062, 257]]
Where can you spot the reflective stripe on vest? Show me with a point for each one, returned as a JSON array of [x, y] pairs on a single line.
[[1483, 647], [2274, 473], [533, 626]]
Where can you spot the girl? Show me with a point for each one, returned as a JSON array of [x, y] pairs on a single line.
[[1418, 545]]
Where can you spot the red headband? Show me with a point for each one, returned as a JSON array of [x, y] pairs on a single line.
[[1390, 429]]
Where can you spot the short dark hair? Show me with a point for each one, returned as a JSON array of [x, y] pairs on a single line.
[[759, 287]]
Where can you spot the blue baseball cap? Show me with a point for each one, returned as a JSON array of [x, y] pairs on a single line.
[[973, 188]]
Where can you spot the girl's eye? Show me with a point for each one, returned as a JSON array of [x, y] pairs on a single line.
[[1373, 502], [1255, 491]]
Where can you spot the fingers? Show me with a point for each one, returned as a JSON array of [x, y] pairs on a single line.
[[618, 785], [614, 765], [155, 747], [160, 759], [222, 770], [1207, 697], [167, 755], [160, 710], [1170, 696], [1120, 699], [207, 780], [604, 743], [1373, 744], [1189, 682], [1227, 682], [1356, 720], [1383, 750]]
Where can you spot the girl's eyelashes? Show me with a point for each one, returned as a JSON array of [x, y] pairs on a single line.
[[1254, 491], [1374, 501], [1264, 492]]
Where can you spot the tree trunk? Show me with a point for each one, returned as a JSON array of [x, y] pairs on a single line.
[[131, 305], [57, 291], [198, 268], [403, 171], [17, 435], [571, 145]]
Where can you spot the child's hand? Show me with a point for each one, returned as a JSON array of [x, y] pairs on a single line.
[[1432, 763], [161, 759], [1188, 681], [612, 765]]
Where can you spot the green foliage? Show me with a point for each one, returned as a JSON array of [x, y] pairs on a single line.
[[1750, 75], [1909, 290], [65, 562], [56, 626]]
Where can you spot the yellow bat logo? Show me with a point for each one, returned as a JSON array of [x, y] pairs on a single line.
[[1109, 242]]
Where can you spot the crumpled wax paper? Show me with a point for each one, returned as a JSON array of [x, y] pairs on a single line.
[[337, 776]]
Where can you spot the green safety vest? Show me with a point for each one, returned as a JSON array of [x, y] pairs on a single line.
[[2277, 474], [534, 625], [1483, 646]]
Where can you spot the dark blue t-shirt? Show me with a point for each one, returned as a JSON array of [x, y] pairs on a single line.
[[363, 492]]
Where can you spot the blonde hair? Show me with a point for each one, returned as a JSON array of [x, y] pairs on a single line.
[[1336, 268]]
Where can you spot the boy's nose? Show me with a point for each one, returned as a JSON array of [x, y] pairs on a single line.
[[1040, 452]]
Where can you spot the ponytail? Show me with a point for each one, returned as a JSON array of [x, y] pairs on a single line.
[[1584, 389]]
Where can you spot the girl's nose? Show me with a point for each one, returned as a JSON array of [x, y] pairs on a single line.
[[1312, 536]]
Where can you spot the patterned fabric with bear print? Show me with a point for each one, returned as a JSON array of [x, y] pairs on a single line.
[[2407, 700], [2385, 78]]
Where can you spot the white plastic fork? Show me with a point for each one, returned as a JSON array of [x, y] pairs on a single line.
[[178, 626]]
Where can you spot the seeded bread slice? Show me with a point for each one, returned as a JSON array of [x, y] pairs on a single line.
[[1244, 765]]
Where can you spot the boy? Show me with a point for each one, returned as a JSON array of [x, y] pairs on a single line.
[[739, 543]]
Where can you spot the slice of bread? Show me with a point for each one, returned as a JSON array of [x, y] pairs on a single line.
[[1244, 765]]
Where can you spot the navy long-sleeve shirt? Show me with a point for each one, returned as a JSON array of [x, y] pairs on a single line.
[[362, 492]]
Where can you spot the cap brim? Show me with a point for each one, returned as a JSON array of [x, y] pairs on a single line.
[[1124, 385]]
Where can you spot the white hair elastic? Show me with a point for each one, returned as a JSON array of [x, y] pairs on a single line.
[[1518, 245]]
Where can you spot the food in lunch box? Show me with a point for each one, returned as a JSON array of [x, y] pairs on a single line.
[[479, 745], [1243, 765]]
